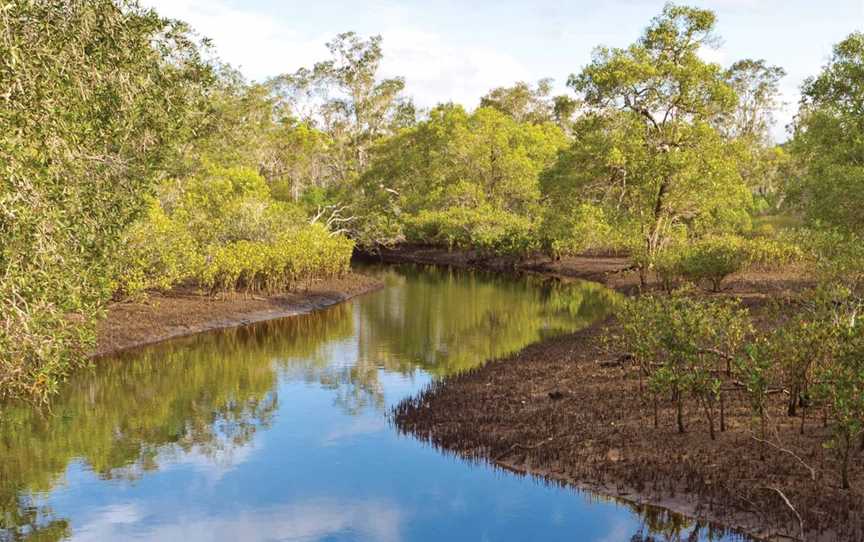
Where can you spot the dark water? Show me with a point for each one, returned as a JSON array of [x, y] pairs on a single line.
[[278, 431]]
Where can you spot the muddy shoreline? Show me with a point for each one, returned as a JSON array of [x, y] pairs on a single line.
[[182, 312], [564, 410]]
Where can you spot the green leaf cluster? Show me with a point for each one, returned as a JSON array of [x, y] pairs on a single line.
[[97, 97]]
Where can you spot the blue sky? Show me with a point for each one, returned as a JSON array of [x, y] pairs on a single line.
[[451, 50]]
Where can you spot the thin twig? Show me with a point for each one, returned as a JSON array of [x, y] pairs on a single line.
[[790, 452]]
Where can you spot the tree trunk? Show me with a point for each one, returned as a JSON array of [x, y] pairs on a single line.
[[709, 413], [844, 467], [654, 234], [803, 416], [791, 410], [656, 417], [722, 413], [763, 431], [679, 414]]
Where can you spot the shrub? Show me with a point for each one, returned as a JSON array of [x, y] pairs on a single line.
[[678, 341], [770, 253], [712, 260], [222, 229], [715, 258], [491, 231], [309, 253], [841, 387], [155, 253], [667, 265], [573, 233]]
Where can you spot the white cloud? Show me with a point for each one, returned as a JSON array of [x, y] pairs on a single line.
[[260, 45], [354, 428], [435, 71], [309, 521], [718, 55], [263, 45]]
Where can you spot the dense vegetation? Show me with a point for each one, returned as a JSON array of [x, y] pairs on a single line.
[[702, 349], [135, 162]]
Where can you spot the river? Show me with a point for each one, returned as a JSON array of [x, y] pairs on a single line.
[[280, 431]]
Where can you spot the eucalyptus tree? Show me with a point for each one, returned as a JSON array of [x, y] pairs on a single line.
[[648, 149], [757, 86], [244, 124], [762, 163], [345, 97], [535, 104]]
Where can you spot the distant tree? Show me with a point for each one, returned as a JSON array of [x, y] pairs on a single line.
[[458, 160], [524, 103], [564, 108], [757, 86], [345, 98], [762, 164], [246, 125]]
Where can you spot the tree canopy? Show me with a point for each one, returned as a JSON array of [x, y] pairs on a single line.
[[97, 96], [828, 143], [648, 152]]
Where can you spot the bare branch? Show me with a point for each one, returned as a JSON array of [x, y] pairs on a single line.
[[787, 451], [789, 504]]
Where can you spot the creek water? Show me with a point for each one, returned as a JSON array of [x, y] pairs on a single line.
[[279, 430]]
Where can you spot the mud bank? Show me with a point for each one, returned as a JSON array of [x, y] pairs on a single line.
[[185, 312], [570, 410], [614, 271], [567, 410]]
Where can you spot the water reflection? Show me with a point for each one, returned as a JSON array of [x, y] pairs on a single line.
[[276, 431]]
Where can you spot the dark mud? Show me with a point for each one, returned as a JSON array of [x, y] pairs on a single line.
[[185, 311], [560, 410]]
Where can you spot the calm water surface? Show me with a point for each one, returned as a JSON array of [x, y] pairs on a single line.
[[279, 431]]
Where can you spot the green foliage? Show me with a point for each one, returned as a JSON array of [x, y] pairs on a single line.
[[156, 253], [491, 231], [458, 178], [771, 253], [754, 369], [344, 97], [757, 86], [222, 230], [535, 105], [667, 266], [97, 98], [712, 260], [649, 151], [841, 386], [309, 253], [825, 142], [678, 341], [584, 229]]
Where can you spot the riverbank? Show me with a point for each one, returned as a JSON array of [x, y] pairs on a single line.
[[569, 410], [185, 311], [613, 271]]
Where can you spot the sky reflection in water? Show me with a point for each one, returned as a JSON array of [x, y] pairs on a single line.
[[278, 431]]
